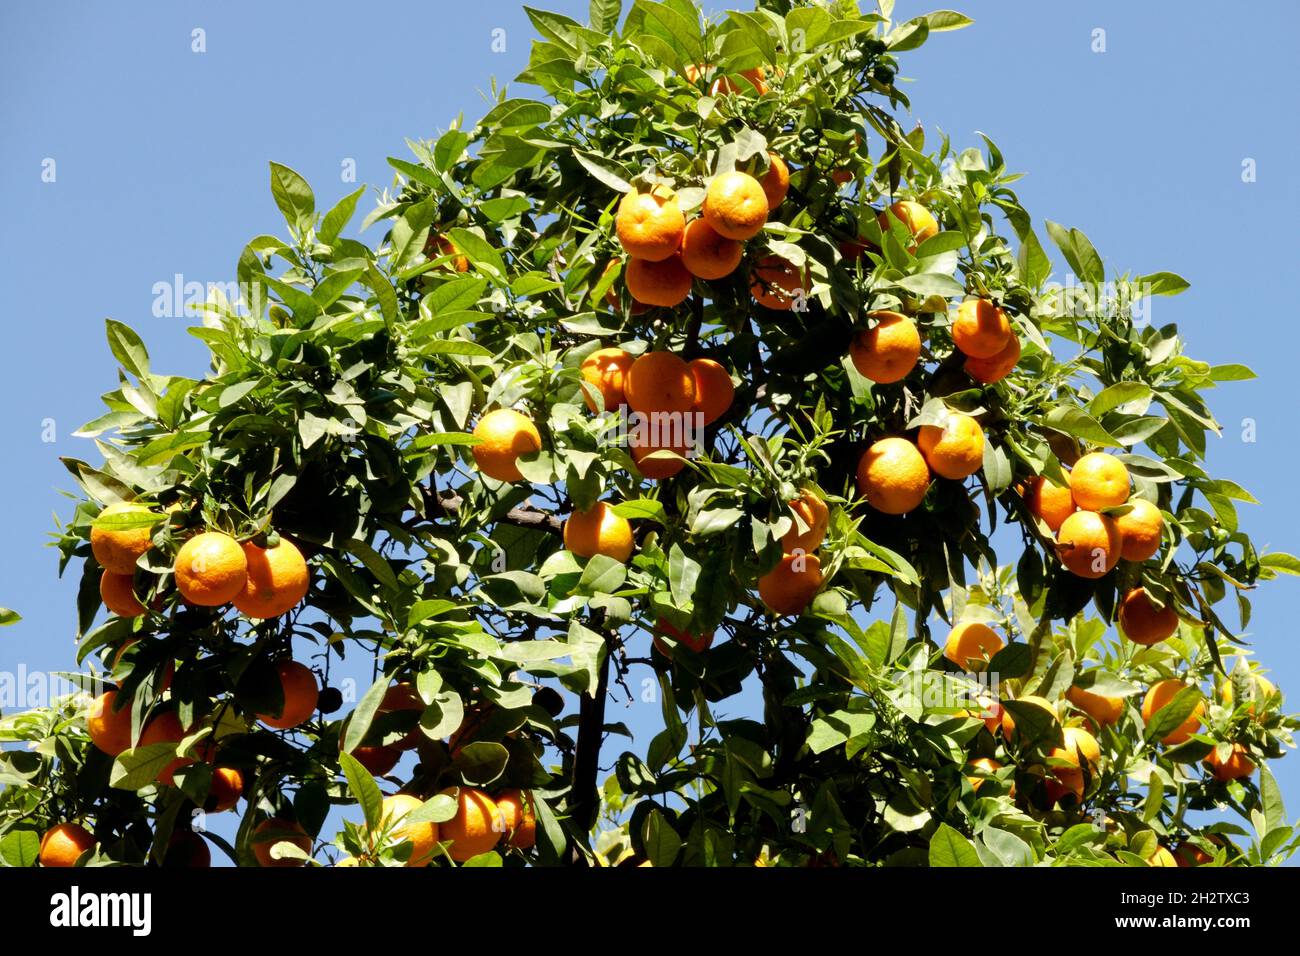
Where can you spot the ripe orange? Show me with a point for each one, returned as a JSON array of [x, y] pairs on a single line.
[[210, 569], [699, 643], [790, 586], [980, 329], [889, 350], [714, 389], [277, 580], [166, 728], [1139, 530], [474, 828], [1260, 689], [1076, 742], [109, 730], [1160, 694], [300, 694], [841, 176], [378, 760], [1098, 481], [1104, 710], [1161, 857], [599, 531], [515, 811], [505, 435], [657, 469], [990, 712], [650, 224], [227, 787], [1009, 722], [972, 644], [117, 591], [1142, 622], [665, 283], [118, 550], [187, 849], [775, 282], [814, 514], [1235, 766], [605, 370], [1048, 501], [918, 220], [735, 205], [893, 476], [278, 830], [611, 293], [776, 181], [63, 843], [403, 696], [1189, 854], [422, 836], [724, 85], [986, 767], [1088, 544], [707, 254], [660, 382], [996, 367], [954, 449], [439, 246]]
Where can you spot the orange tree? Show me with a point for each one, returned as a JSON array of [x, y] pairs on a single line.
[[443, 453]]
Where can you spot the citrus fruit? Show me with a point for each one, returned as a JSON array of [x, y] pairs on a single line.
[[809, 529], [210, 569], [893, 476], [660, 382], [1098, 481], [599, 531], [1142, 622], [1009, 722], [790, 586], [984, 767], [1189, 854], [225, 791], [996, 367], [117, 591], [1160, 694], [378, 759], [187, 849], [954, 449], [475, 828], [980, 329], [1161, 857], [1104, 710], [403, 697], [109, 730], [776, 181], [439, 246], [1233, 767], [300, 694], [1088, 544], [278, 830], [698, 643], [707, 254], [775, 283], [665, 282], [657, 467], [888, 351], [735, 205], [650, 223], [118, 549], [714, 390], [972, 644], [1139, 530], [422, 836], [1048, 501], [165, 728], [276, 580], [605, 370], [918, 220], [515, 811], [504, 435], [1259, 689], [63, 843]]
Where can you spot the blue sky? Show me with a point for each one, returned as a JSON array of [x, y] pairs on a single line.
[[161, 162]]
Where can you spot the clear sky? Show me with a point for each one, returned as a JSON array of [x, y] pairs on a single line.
[[160, 159]]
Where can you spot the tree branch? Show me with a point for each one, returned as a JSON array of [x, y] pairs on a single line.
[[584, 797], [436, 505]]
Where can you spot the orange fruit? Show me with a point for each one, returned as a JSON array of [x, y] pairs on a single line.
[[300, 694], [599, 531], [118, 550], [986, 767], [210, 569], [665, 283], [277, 580], [438, 246], [1048, 502], [1139, 530], [1088, 544], [1098, 481], [714, 389], [117, 591], [972, 644], [1189, 854], [1009, 722], [814, 514], [166, 728], [504, 435], [650, 224], [611, 293], [887, 351], [1235, 766], [735, 205], [227, 787], [990, 712], [1161, 857], [996, 367], [1065, 781], [422, 836], [1160, 694], [1075, 742], [474, 828], [660, 382], [1142, 622], [775, 282], [278, 830], [515, 811], [707, 254], [378, 760], [893, 476], [1260, 689], [790, 586], [109, 730], [1104, 710], [776, 181], [980, 329], [63, 843], [841, 176], [657, 469], [918, 220], [757, 78], [605, 370], [399, 697], [954, 449], [698, 643], [187, 849]]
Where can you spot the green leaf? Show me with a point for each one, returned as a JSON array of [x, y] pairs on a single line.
[[604, 15], [293, 196], [127, 348], [20, 848], [1280, 561], [1074, 421], [364, 713], [139, 767], [1231, 373], [477, 249], [8, 617], [602, 173], [647, 509], [364, 790], [338, 217], [1163, 283], [942, 20], [1113, 396], [1078, 252], [662, 844], [931, 283], [949, 848]]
